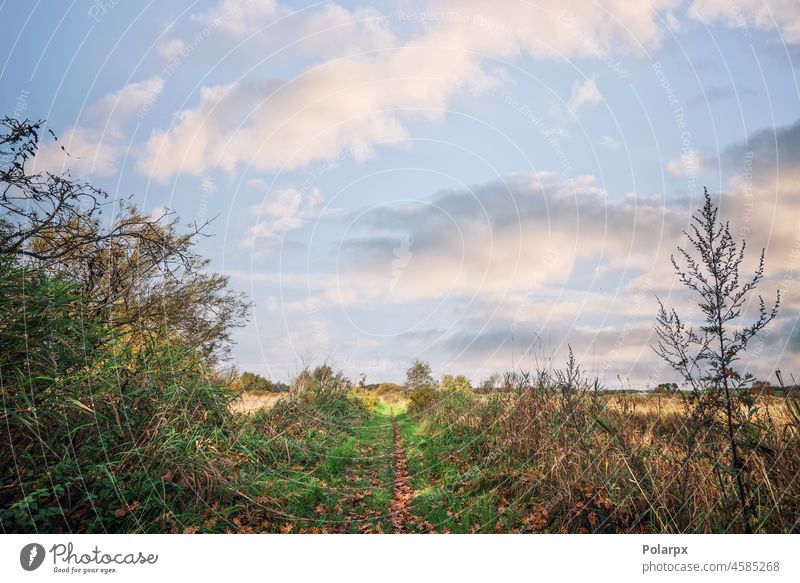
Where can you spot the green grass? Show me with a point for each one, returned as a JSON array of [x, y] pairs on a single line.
[[336, 478], [441, 471]]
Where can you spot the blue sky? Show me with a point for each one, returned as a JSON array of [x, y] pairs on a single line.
[[429, 179]]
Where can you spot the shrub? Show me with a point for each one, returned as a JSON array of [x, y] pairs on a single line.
[[390, 392], [250, 382], [600, 462], [421, 398], [113, 417], [388, 388], [457, 383], [366, 400], [101, 433], [706, 355], [321, 383]]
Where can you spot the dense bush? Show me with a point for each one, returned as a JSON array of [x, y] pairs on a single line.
[[106, 432], [100, 433], [420, 398], [366, 400], [455, 383], [113, 416]]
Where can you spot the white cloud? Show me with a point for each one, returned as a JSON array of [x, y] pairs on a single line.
[[547, 28], [96, 144], [171, 49], [521, 232], [114, 108], [520, 278], [86, 151], [340, 105], [767, 15], [357, 102], [241, 17], [531, 254], [583, 94], [283, 210], [328, 31], [610, 143], [687, 165]]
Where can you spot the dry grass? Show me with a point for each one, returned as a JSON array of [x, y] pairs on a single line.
[[627, 463], [250, 403]]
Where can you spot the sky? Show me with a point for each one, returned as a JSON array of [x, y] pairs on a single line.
[[479, 185]]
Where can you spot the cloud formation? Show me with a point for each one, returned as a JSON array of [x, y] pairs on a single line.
[[782, 16], [95, 145], [530, 255], [518, 233], [283, 210], [585, 93], [367, 97], [610, 143]]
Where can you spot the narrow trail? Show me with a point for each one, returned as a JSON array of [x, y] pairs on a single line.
[[400, 508]]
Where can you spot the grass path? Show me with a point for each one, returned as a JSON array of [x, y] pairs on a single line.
[[394, 477], [442, 467], [361, 479], [432, 489], [386, 475]]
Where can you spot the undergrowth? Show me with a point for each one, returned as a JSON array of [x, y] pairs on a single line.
[[541, 459]]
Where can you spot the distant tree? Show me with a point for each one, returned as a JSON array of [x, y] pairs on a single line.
[[705, 357], [666, 388], [388, 388], [761, 386], [455, 383], [325, 375], [490, 384], [419, 375], [320, 381], [513, 380], [253, 382]]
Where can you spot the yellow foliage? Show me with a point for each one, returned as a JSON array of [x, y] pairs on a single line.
[[364, 399]]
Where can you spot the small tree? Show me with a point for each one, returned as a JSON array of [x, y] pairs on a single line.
[[419, 375], [455, 383], [139, 273], [705, 357]]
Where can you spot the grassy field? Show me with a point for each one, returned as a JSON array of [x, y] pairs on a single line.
[[331, 458], [521, 461]]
